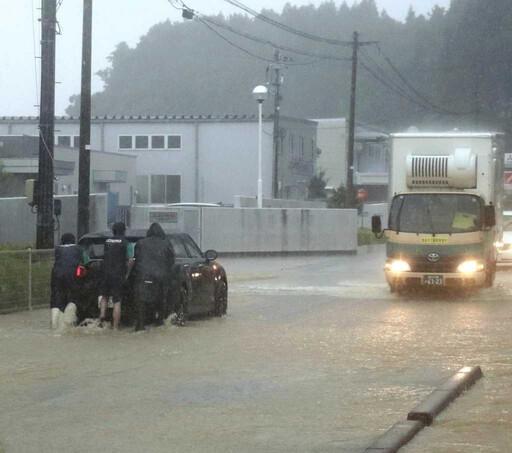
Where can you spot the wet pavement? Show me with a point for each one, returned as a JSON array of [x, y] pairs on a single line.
[[315, 355]]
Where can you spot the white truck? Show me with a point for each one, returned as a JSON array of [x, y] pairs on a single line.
[[445, 209]]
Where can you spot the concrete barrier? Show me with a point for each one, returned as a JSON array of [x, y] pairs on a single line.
[[441, 397], [247, 230], [252, 202], [425, 412], [396, 437]]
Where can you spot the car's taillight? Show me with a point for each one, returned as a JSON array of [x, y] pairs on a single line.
[[80, 271]]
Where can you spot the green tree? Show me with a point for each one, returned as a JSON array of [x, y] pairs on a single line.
[[317, 183], [338, 198]]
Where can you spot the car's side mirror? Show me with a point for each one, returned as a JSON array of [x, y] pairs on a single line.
[[376, 224], [211, 255], [489, 216]]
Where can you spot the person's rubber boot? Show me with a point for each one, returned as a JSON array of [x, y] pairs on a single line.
[[55, 312], [70, 314]]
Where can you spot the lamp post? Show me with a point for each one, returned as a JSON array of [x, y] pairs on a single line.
[[260, 93]]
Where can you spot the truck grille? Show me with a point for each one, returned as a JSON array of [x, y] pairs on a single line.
[[429, 171], [422, 264]]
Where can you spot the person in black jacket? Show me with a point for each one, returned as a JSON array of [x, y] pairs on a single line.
[[116, 258], [68, 257], [154, 258]]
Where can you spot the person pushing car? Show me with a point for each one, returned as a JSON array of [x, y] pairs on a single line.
[[68, 257], [154, 258], [116, 258]]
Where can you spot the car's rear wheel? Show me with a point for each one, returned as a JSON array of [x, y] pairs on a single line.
[[182, 308], [221, 299]]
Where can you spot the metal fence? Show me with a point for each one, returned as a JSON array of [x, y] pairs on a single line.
[[25, 279]]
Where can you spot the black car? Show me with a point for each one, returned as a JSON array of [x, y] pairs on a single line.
[[198, 284]]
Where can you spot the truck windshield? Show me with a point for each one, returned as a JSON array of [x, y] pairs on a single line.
[[435, 213]]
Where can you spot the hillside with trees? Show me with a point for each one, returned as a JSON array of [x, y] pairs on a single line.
[[452, 68]]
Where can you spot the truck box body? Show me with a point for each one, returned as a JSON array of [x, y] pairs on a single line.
[[438, 233]]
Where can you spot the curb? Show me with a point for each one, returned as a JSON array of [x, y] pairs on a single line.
[[425, 412], [441, 397], [396, 437]]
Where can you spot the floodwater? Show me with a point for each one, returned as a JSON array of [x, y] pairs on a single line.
[[314, 355]]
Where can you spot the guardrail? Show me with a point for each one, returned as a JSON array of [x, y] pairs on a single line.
[[25, 279]]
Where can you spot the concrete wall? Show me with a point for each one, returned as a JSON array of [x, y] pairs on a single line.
[[279, 230], [18, 223], [369, 210], [233, 230], [252, 202]]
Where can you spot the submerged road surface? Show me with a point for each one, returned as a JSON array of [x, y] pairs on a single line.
[[315, 355]]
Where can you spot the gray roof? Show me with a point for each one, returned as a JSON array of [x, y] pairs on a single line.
[[156, 118]]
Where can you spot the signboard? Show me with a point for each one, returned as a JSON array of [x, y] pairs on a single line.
[[508, 179], [362, 195], [508, 160], [163, 217]]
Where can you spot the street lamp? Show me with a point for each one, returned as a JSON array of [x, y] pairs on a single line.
[[260, 93]]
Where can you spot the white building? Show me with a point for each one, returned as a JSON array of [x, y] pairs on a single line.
[[195, 158], [371, 155]]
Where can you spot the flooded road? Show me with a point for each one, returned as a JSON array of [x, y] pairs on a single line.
[[315, 355]]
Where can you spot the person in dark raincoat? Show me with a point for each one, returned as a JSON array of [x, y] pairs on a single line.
[[116, 259], [154, 258], [68, 257]]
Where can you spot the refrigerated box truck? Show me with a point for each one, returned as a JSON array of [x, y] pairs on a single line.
[[444, 223]]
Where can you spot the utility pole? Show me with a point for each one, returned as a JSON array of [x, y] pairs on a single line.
[[84, 161], [277, 135], [351, 125], [44, 233]]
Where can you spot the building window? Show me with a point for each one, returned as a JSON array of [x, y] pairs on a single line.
[[157, 142], [142, 194], [301, 145], [64, 140], [372, 158], [173, 189], [125, 142], [312, 148], [141, 142], [174, 142], [292, 144], [158, 189], [76, 141]]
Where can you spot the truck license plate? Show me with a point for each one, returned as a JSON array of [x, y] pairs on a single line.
[[433, 280]]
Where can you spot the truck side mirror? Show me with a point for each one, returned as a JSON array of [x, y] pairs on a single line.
[[489, 216], [376, 224]]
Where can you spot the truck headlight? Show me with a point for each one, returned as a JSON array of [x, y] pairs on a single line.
[[398, 266], [470, 266]]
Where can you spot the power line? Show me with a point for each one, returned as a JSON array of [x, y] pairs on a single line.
[[205, 20], [391, 87], [292, 30], [417, 93], [267, 60], [273, 44]]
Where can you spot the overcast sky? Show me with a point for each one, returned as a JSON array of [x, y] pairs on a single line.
[[114, 21]]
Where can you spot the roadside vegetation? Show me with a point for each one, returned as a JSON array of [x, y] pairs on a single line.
[[15, 270]]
